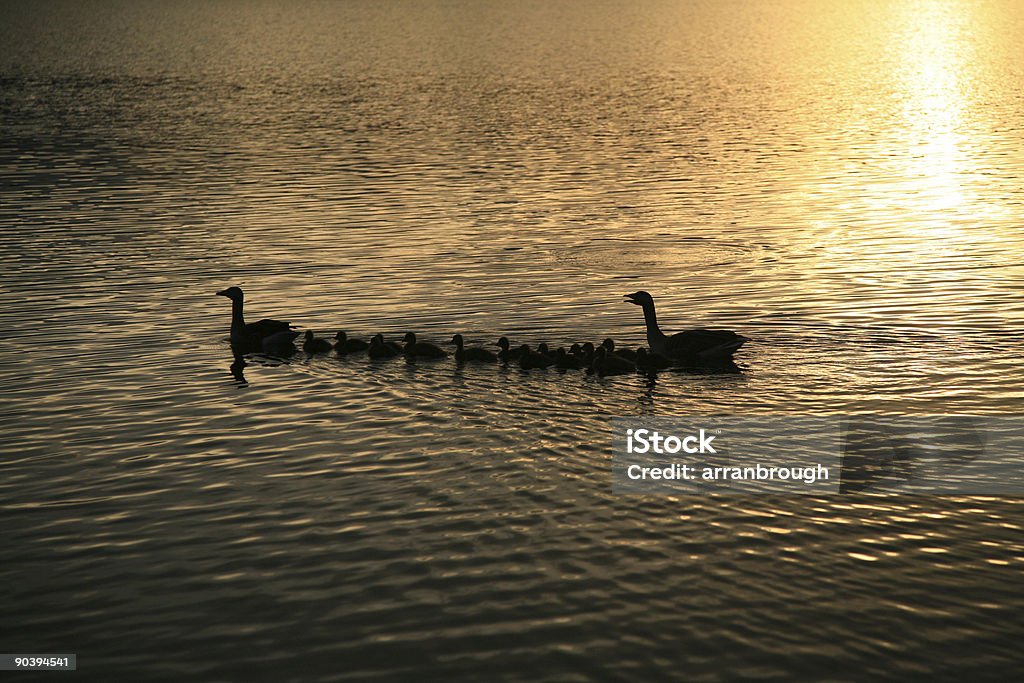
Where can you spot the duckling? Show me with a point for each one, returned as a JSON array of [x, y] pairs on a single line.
[[587, 354], [344, 345], [474, 353], [567, 361], [689, 346], [543, 350], [609, 344], [576, 350], [507, 354], [380, 349], [606, 364], [314, 345], [415, 349], [531, 359], [249, 336], [280, 344], [650, 362]]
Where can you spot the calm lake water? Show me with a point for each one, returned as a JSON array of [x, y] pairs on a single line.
[[841, 182]]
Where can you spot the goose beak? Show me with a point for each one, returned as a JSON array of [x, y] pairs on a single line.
[[630, 299], [222, 292]]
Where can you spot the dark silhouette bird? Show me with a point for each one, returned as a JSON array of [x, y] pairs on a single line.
[[609, 344], [567, 361], [606, 363], [576, 350], [689, 346], [529, 358], [280, 344], [545, 351], [650, 362], [249, 336], [473, 353], [587, 354], [382, 349], [415, 349], [507, 353], [343, 345], [314, 345]]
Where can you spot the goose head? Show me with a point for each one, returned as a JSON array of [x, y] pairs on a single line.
[[341, 336], [609, 344], [503, 344], [377, 340], [542, 348], [233, 293], [640, 298], [409, 338], [457, 340], [309, 335]]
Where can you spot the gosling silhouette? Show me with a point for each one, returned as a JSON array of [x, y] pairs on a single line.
[[250, 337], [606, 364], [381, 349], [609, 344], [313, 345], [567, 361], [651, 362], [280, 344], [415, 349], [529, 359], [690, 346], [507, 353], [473, 353], [343, 345]]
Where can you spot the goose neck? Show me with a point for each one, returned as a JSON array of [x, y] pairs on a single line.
[[237, 318], [651, 320]]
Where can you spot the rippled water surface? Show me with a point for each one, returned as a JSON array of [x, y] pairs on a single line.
[[841, 182]]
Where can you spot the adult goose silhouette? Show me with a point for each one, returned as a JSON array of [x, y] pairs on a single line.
[[692, 346], [251, 336]]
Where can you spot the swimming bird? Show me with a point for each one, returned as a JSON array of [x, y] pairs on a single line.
[[343, 345], [415, 349], [381, 349], [691, 345], [315, 345], [609, 344], [576, 350], [545, 351], [567, 361], [531, 359], [280, 344], [606, 363], [473, 353], [249, 336], [506, 354], [650, 362], [587, 354]]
